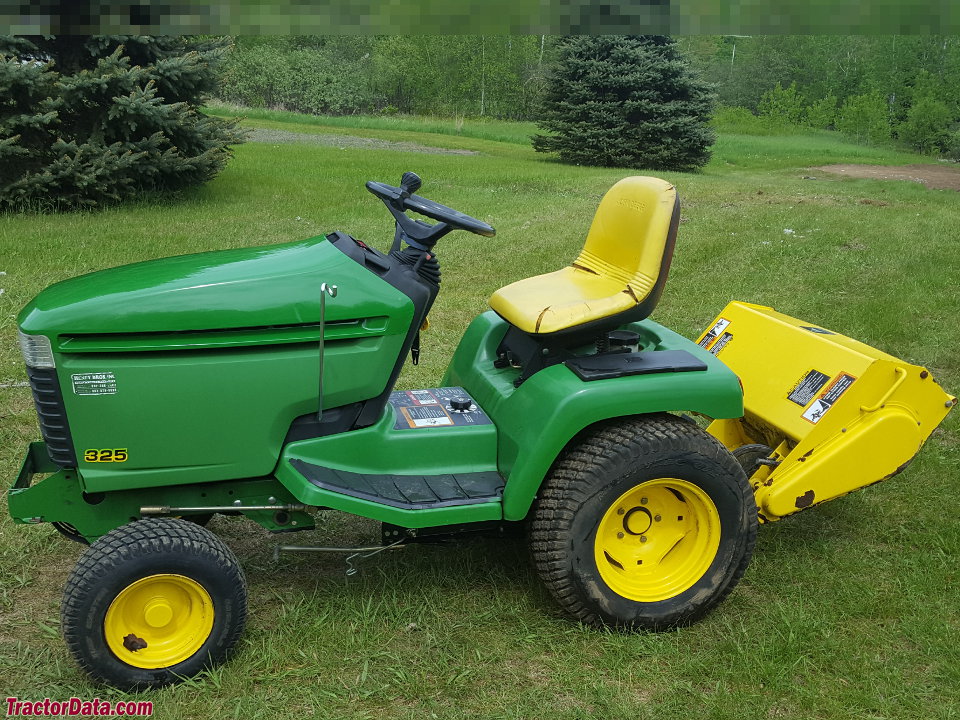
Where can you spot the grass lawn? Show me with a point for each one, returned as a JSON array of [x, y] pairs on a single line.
[[849, 610], [517, 133]]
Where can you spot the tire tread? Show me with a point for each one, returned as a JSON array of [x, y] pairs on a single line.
[[568, 486], [121, 546]]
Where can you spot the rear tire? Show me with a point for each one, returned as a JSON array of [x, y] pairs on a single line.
[[643, 524], [153, 602]]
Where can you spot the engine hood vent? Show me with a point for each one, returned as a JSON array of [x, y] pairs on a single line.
[[221, 338]]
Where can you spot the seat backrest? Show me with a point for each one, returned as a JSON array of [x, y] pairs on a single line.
[[632, 236]]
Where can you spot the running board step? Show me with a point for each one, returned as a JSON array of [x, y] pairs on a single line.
[[407, 492]]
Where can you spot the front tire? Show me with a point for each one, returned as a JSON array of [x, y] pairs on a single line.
[[643, 524], [153, 602]]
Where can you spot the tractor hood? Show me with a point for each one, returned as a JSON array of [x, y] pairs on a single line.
[[267, 286]]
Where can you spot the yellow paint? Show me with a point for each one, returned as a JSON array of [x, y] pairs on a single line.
[[652, 545], [616, 270], [829, 440], [172, 614]]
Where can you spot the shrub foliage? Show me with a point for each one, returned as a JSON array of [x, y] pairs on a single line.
[[782, 106], [626, 101], [865, 117], [927, 127], [477, 75], [89, 120]]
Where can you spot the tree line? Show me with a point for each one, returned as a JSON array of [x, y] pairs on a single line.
[[91, 120], [875, 89], [468, 75]]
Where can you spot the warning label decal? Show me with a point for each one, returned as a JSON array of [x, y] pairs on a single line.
[[422, 397], [434, 407], [816, 411], [721, 343], [808, 387], [837, 388], [719, 327], [426, 416], [98, 383], [823, 403]]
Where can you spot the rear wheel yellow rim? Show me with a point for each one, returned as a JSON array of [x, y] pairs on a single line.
[[657, 540], [159, 621]]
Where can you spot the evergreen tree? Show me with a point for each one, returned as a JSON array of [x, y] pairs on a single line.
[[626, 101], [89, 120]]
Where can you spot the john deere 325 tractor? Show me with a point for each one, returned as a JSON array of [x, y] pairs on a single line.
[[260, 382]]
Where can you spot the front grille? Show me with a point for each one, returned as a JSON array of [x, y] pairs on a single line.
[[53, 416]]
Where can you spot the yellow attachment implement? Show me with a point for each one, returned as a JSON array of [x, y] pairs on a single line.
[[836, 414]]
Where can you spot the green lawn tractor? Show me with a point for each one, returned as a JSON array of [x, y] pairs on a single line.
[[260, 383]]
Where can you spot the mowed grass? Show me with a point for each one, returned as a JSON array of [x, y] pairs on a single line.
[[848, 610], [517, 133]]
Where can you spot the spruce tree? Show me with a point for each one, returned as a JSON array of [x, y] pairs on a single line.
[[626, 101], [91, 120]]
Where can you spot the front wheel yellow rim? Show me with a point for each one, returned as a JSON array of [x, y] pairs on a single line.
[[657, 539], [159, 621]]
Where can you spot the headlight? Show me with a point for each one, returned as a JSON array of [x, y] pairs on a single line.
[[36, 350]]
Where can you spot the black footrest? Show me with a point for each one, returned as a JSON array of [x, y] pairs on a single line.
[[410, 492]]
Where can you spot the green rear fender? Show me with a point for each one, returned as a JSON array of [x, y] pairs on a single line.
[[538, 419]]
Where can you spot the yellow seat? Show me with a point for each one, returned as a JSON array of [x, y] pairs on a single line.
[[619, 274]]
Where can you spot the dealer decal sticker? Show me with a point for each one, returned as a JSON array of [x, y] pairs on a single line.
[[97, 383]]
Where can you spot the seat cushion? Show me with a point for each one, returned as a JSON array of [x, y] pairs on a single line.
[[622, 267], [559, 300]]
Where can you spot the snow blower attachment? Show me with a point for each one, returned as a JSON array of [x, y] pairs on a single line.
[[823, 414]]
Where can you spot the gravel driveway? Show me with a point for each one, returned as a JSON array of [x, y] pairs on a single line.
[[343, 142]]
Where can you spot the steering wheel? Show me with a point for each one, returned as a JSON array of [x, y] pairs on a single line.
[[400, 199]]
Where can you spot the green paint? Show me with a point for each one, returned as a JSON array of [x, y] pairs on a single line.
[[207, 415], [214, 355], [261, 288], [60, 498], [380, 449], [215, 339], [536, 420], [310, 494]]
